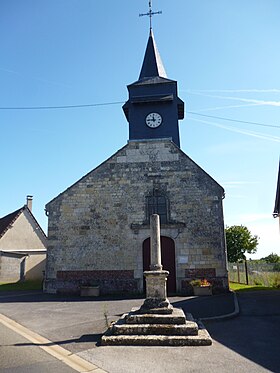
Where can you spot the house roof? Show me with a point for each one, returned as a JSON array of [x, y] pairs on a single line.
[[7, 221], [276, 212]]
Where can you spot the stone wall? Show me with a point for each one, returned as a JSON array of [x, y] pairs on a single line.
[[98, 225], [10, 267]]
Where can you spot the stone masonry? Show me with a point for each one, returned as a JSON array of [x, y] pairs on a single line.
[[97, 226]]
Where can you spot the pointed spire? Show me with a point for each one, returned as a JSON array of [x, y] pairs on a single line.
[[152, 64]]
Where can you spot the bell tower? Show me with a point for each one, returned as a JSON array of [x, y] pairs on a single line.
[[153, 108]]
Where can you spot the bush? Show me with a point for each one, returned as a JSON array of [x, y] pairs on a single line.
[[276, 281]]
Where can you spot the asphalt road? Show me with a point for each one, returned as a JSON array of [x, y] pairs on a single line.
[[248, 343], [245, 344], [18, 355]]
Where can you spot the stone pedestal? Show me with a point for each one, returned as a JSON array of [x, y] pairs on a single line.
[[156, 297]]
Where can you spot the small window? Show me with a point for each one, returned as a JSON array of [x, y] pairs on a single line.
[[157, 204]]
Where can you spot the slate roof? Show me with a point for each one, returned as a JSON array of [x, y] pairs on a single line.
[[276, 212], [7, 221], [152, 64]]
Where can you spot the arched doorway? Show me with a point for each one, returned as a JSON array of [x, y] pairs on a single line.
[[167, 260]]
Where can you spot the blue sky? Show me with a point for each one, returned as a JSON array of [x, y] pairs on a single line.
[[224, 54]]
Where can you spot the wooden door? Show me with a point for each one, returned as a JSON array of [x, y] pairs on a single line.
[[167, 261]]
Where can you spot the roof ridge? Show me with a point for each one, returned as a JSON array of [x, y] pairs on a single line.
[[7, 220]]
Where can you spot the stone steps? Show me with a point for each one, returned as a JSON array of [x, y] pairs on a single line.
[[177, 317], [176, 329], [189, 328], [201, 339]]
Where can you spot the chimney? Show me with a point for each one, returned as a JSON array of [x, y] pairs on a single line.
[[29, 202]]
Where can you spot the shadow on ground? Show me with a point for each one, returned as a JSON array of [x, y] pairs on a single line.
[[86, 338], [254, 334]]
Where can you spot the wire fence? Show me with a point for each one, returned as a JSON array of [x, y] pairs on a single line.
[[255, 273]]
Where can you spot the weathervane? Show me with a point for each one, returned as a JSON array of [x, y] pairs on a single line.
[[150, 13]]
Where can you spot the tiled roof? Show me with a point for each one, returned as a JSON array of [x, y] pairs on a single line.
[[8, 220]]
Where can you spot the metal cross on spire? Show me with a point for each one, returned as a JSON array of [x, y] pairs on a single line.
[[150, 13]]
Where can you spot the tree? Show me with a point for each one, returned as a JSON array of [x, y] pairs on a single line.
[[275, 259], [240, 241], [272, 258]]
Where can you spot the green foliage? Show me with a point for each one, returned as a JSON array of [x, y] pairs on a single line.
[[240, 241], [195, 282], [272, 258], [276, 282]]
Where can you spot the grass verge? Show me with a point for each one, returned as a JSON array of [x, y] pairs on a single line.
[[242, 287], [26, 285]]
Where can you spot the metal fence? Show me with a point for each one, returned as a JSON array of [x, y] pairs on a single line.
[[255, 273]]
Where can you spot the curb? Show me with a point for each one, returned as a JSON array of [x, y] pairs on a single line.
[[60, 353], [227, 316]]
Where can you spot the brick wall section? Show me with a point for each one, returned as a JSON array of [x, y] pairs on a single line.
[[200, 273], [110, 282], [94, 275], [100, 222]]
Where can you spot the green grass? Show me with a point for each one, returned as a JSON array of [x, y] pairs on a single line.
[[26, 285], [242, 287], [262, 278]]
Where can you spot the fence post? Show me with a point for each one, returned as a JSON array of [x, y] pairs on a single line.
[[238, 273], [246, 272]]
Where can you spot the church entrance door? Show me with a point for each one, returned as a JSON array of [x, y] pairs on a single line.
[[167, 260]]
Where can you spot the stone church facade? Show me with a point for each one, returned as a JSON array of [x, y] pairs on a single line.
[[98, 229]]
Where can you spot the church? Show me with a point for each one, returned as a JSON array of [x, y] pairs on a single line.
[[98, 228]]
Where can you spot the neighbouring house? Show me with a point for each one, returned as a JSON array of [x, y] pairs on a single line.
[[98, 228], [23, 246]]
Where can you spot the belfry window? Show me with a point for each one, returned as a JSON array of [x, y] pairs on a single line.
[[157, 204]]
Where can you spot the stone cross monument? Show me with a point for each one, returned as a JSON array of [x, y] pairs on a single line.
[[156, 296], [156, 322]]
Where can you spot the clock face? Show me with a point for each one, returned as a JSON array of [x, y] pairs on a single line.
[[153, 120]]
